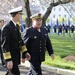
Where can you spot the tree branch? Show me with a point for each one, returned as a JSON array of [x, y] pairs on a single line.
[[51, 6], [60, 2]]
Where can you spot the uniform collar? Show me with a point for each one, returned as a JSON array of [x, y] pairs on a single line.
[[13, 22], [39, 30]]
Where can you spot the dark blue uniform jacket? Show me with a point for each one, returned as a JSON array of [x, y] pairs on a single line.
[[37, 43]]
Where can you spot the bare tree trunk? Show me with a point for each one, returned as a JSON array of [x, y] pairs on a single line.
[[46, 14], [28, 20]]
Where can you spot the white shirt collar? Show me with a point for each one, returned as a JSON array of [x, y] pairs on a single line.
[[39, 30], [13, 22]]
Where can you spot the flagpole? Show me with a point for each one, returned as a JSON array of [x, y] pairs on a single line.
[[69, 27], [51, 24], [57, 24]]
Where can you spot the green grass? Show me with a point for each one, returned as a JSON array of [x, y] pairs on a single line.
[[63, 46]]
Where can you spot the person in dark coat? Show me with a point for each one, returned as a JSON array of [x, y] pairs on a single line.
[[72, 29], [66, 29], [1, 53], [55, 28], [60, 29], [37, 41], [48, 28], [12, 43]]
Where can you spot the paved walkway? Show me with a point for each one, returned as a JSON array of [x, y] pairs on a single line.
[[24, 68]]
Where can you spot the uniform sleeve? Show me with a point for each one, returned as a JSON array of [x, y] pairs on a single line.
[[22, 46], [5, 43], [49, 46], [24, 51], [25, 39]]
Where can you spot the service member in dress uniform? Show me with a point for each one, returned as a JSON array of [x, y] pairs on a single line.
[[37, 41], [66, 29], [12, 43], [72, 29], [55, 28], [1, 53]]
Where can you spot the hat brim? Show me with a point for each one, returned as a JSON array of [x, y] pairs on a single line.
[[20, 13]]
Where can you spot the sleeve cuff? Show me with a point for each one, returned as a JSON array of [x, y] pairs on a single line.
[[7, 55], [23, 49]]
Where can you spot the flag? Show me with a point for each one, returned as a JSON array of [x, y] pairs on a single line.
[[57, 24], [51, 25], [22, 25], [63, 21], [69, 22], [50, 22]]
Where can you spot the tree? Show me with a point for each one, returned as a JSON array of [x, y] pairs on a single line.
[[28, 20], [6, 5], [52, 4]]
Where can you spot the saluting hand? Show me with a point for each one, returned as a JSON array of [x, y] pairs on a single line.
[[52, 56], [9, 65]]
